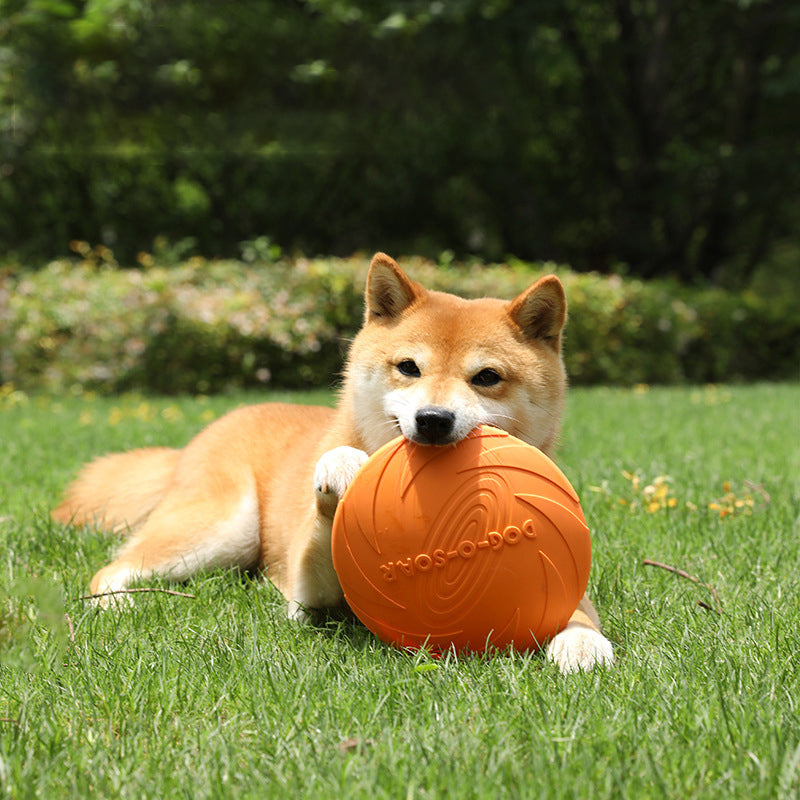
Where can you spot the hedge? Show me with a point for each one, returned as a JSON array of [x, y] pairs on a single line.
[[210, 325]]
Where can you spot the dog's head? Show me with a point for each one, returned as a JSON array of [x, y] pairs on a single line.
[[432, 366]]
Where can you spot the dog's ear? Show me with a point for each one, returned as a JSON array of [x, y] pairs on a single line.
[[389, 289], [541, 311]]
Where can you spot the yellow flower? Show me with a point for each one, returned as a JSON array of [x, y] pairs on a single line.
[[730, 503]]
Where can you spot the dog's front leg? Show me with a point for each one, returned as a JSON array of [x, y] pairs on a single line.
[[581, 645], [315, 584]]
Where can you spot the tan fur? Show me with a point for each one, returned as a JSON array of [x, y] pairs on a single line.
[[259, 487], [119, 491]]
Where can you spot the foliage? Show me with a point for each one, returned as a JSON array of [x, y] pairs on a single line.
[[202, 326], [655, 134], [219, 695]]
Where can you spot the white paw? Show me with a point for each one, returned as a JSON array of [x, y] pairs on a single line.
[[109, 587], [579, 647], [297, 612], [335, 471]]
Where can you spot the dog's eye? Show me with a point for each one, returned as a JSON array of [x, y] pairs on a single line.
[[409, 368], [486, 377]]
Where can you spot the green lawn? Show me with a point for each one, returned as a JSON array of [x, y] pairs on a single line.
[[218, 695]]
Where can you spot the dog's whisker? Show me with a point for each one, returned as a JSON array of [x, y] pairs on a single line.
[[498, 415]]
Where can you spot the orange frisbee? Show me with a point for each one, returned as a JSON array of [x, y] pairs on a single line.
[[474, 546]]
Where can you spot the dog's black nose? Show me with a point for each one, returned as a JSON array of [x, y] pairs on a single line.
[[434, 425]]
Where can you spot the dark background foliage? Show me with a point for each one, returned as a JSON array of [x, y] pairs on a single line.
[[658, 134]]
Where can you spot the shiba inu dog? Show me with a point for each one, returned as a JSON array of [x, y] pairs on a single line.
[[258, 488]]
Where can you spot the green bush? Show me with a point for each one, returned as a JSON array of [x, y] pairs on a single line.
[[205, 326]]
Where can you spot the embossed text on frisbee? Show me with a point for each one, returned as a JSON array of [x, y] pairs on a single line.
[[467, 549]]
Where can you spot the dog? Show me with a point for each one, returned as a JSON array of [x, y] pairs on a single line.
[[258, 487]]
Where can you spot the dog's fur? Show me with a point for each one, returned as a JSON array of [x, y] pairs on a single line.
[[259, 487]]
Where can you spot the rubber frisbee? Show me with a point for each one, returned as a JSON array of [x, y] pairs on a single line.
[[475, 546]]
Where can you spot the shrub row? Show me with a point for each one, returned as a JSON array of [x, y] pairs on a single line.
[[205, 326]]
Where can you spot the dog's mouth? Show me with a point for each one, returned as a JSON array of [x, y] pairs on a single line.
[[452, 441]]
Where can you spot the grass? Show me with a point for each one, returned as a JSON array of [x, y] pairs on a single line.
[[220, 696]]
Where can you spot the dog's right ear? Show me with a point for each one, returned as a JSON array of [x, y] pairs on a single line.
[[389, 290]]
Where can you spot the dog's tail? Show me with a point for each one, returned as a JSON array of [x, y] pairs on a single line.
[[117, 492]]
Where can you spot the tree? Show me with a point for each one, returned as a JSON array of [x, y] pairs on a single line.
[[657, 133]]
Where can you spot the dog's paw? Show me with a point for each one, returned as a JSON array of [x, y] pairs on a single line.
[[334, 473], [297, 612], [109, 587], [579, 647]]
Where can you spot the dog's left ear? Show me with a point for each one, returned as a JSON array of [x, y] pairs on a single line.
[[389, 290], [541, 310]]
